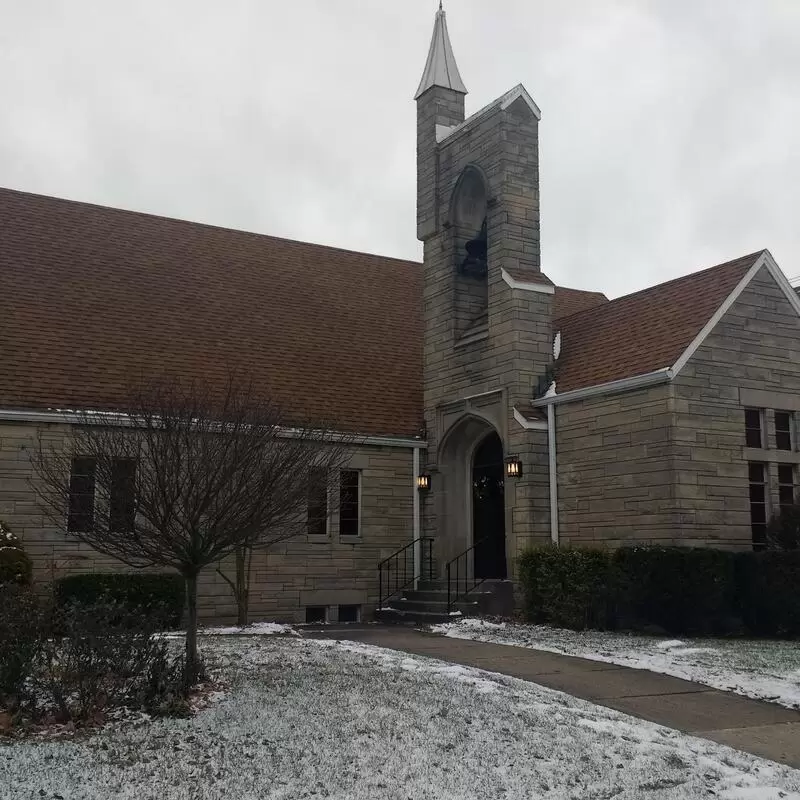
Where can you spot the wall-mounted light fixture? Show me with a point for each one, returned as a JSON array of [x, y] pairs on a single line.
[[424, 482], [513, 467]]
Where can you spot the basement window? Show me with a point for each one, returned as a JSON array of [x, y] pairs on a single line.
[[757, 475], [783, 430], [753, 427], [316, 614], [349, 613]]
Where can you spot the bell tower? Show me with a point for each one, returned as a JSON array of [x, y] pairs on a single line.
[[487, 306]]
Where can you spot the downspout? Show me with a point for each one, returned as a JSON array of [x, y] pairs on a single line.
[[551, 450], [415, 523]]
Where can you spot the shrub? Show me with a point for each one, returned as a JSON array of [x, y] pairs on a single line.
[[677, 589], [768, 592], [567, 587], [15, 566], [133, 594], [20, 644], [783, 531], [89, 663]]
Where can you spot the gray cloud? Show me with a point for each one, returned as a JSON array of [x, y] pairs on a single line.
[[668, 137]]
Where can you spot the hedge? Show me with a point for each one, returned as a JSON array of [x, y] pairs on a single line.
[[15, 566], [137, 593], [675, 590]]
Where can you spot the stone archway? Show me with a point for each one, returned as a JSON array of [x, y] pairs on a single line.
[[472, 448]]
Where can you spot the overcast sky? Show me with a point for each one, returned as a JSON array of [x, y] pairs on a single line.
[[670, 133]]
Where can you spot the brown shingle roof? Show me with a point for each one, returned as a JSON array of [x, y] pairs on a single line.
[[92, 296], [645, 331], [570, 301]]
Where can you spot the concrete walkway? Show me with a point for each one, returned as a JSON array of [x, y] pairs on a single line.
[[764, 729]]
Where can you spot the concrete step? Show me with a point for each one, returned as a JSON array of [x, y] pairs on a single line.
[[434, 595], [437, 585], [439, 607], [398, 616]]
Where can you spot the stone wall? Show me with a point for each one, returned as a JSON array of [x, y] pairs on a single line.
[[750, 359], [301, 572], [615, 469]]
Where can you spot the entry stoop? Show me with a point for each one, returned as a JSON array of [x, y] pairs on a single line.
[[427, 604]]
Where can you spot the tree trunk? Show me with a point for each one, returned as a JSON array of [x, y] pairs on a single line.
[[242, 587], [190, 671]]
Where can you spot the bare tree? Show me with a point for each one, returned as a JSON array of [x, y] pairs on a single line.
[[184, 478]]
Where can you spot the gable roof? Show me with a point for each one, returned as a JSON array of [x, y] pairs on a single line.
[[91, 297], [645, 331]]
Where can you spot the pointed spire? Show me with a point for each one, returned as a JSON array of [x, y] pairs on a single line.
[[440, 68]]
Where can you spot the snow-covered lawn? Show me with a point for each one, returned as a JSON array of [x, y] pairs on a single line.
[[304, 718], [764, 669]]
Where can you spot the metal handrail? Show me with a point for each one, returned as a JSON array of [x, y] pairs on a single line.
[[393, 561], [453, 597]]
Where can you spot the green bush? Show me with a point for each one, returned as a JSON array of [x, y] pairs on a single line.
[[20, 644], [136, 594], [677, 589], [567, 587], [15, 566], [768, 592], [664, 589], [783, 531]]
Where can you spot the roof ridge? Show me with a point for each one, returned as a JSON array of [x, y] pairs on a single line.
[[194, 223], [657, 286]]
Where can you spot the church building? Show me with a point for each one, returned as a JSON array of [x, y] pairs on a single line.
[[494, 409]]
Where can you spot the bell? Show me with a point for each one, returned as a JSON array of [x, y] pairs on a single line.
[[475, 262]]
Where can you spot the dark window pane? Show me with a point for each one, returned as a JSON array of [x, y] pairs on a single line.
[[316, 614], [756, 473], [752, 427], [80, 516], [783, 430], [758, 513], [786, 495], [349, 613], [785, 473], [122, 495], [348, 503], [756, 493], [759, 536], [317, 503]]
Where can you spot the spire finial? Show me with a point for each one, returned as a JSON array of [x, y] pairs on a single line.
[[440, 68]]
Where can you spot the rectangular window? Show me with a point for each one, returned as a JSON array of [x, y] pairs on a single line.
[[752, 427], [757, 474], [783, 430], [122, 495], [349, 613], [349, 512], [80, 516], [785, 485], [317, 503], [316, 614]]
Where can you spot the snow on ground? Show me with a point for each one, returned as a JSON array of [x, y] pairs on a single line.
[[305, 718], [255, 629], [760, 668]]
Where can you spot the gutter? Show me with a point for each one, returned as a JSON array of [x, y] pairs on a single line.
[[113, 418], [612, 387], [553, 470], [415, 517]]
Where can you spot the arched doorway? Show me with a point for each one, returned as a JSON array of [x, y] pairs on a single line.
[[488, 508]]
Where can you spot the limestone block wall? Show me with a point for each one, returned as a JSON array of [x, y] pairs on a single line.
[[303, 571], [615, 469], [750, 359]]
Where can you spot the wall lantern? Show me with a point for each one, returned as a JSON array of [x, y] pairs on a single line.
[[424, 482], [513, 467]]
